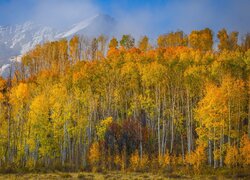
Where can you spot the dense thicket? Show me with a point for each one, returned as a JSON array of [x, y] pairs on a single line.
[[68, 105]]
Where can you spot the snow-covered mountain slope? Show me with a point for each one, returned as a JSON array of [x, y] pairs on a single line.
[[93, 26], [16, 40], [76, 27]]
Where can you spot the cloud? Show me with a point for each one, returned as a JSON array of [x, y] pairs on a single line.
[[61, 13], [136, 23], [136, 17], [183, 15], [51, 12], [195, 14]]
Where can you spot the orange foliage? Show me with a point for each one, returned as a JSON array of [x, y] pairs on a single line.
[[232, 158], [95, 156], [196, 158], [245, 150]]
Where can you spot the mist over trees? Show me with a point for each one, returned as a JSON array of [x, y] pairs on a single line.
[[110, 104]]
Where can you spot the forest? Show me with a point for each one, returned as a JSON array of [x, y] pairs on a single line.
[[119, 105]]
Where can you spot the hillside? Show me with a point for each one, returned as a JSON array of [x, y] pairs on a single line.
[[180, 107], [16, 40]]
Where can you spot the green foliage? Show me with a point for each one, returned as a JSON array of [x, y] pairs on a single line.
[[102, 128], [127, 41]]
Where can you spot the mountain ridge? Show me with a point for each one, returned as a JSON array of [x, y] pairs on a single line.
[[16, 40]]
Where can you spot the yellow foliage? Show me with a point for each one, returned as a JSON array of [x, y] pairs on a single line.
[[54, 104], [39, 110], [245, 150], [135, 161], [164, 160], [180, 160], [101, 129], [232, 156], [94, 155], [19, 94], [144, 163], [216, 154], [118, 161], [30, 163], [40, 129], [196, 158], [174, 160]]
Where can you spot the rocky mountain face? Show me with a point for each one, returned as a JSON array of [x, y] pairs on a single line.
[[16, 40]]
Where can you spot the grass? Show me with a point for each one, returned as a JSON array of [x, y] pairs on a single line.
[[113, 175], [84, 176]]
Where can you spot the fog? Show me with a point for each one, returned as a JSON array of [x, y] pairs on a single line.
[[61, 13], [134, 17], [187, 16]]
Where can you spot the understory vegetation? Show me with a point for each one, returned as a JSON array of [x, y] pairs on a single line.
[[183, 105]]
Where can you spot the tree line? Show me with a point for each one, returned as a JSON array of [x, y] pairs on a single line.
[[98, 105]]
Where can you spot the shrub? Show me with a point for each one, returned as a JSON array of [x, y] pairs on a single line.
[[135, 161], [245, 150], [144, 162], [196, 158], [232, 156], [164, 160], [138, 163], [94, 156], [118, 162]]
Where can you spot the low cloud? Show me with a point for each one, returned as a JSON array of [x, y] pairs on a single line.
[[61, 13], [135, 17], [187, 16]]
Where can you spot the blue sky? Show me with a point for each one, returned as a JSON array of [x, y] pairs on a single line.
[[140, 17]]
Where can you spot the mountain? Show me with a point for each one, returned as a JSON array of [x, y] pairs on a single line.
[[16, 40], [93, 26]]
